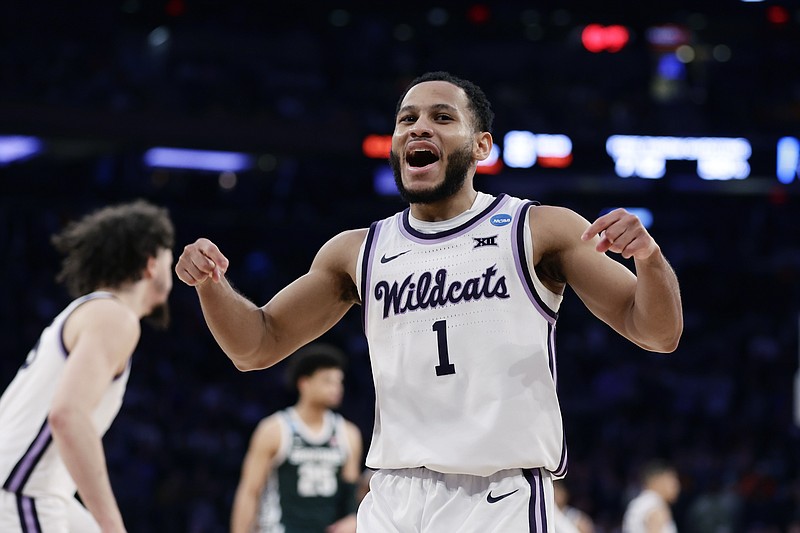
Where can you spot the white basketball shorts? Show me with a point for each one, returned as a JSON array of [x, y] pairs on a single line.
[[423, 501], [48, 514]]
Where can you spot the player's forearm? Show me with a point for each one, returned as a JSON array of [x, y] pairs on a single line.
[[236, 323], [243, 516], [82, 451], [657, 315]]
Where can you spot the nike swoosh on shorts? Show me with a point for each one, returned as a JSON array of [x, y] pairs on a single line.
[[495, 499]]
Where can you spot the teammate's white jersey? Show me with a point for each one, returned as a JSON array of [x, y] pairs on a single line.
[[29, 461], [462, 344], [640, 508]]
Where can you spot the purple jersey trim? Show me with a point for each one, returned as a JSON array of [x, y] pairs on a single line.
[[518, 245], [563, 464], [537, 508], [366, 269], [28, 517], [24, 468], [561, 469], [428, 238], [80, 301]]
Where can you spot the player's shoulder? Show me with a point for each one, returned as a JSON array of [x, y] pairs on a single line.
[[103, 316], [348, 241], [341, 251], [556, 227], [275, 420], [351, 427], [270, 428], [106, 309], [554, 214], [351, 237], [267, 436]]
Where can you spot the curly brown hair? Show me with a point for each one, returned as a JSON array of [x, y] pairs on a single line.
[[110, 246]]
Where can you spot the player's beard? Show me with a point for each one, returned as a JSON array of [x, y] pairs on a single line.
[[455, 175], [159, 317]]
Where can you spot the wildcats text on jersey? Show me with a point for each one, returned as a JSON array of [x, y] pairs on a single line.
[[433, 290]]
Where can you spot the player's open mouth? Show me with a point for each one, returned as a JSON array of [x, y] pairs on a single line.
[[420, 155], [421, 158]]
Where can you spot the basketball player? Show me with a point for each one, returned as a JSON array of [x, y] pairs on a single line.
[[118, 266], [649, 511], [460, 295], [568, 518], [300, 472]]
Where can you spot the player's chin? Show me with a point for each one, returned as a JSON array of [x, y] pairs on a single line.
[[423, 189], [159, 317], [425, 174], [333, 403]]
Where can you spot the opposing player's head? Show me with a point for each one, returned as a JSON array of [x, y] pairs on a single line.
[[115, 247], [661, 477], [317, 371], [442, 129]]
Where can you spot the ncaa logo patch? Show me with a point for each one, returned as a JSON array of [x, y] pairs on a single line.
[[500, 219]]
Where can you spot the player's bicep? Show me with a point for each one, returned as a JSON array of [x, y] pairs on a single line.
[[261, 453], [604, 285], [312, 304]]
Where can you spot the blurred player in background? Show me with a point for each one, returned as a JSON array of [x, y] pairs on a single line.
[[570, 518], [300, 471], [118, 265], [649, 511]]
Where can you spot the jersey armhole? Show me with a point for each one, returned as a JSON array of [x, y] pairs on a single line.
[[342, 436], [285, 442], [552, 299]]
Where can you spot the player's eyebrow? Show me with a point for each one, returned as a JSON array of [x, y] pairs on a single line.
[[434, 107]]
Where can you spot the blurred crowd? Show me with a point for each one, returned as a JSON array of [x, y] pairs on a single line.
[[306, 90]]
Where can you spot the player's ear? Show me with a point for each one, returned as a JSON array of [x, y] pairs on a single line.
[[301, 383], [150, 268], [483, 145]]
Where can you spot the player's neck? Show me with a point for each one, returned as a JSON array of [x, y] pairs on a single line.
[[447, 208], [312, 414]]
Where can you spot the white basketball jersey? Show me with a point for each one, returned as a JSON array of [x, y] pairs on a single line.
[[29, 461], [462, 345], [635, 519]]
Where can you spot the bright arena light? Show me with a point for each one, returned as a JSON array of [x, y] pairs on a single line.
[[788, 167], [197, 159], [18, 147], [718, 158]]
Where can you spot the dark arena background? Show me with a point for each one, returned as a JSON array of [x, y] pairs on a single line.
[[687, 113]]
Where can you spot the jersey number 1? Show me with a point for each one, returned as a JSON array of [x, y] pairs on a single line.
[[444, 367]]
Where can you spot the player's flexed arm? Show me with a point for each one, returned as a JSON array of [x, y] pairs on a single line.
[[656, 316], [257, 337], [644, 307]]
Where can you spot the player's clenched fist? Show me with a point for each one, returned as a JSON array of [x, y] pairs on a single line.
[[200, 261], [623, 233]]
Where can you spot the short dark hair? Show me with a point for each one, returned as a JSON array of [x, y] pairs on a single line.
[[653, 468], [479, 104], [312, 357], [110, 246]]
